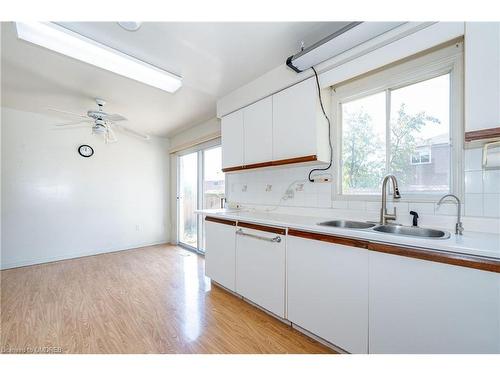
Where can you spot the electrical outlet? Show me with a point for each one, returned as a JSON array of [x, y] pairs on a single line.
[[244, 188], [233, 205], [322, 179], [137, 228], [299, 187]]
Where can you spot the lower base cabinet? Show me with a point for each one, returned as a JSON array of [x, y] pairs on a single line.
[[417, 306], [220, 242], [328, 291], [359, 300], [260, 268]]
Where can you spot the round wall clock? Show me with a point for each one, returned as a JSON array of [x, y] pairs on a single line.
[[86, 151]]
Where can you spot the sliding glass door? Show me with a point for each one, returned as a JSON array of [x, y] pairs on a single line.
[[213, 184], [188, 200], [201, 184]]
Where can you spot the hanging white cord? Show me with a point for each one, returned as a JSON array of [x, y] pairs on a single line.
[[284, 195]]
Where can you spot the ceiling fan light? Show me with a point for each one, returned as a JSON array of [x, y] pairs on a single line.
[[98, 129], [69, 43], [130, 26]]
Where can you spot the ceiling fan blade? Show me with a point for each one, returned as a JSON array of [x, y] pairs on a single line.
[[115, 117], [67, 113], [73, 123], [110, 136], [133, 132]]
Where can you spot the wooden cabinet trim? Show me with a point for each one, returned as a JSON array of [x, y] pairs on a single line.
[[439, 256], [263, 228], [477, 135], [232, 169], [258, 165], [463, 260], [329, 238], [220, 221], [301, 159]]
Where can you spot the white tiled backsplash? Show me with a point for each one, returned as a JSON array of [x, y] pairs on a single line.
[[267, 187], [482, 187]]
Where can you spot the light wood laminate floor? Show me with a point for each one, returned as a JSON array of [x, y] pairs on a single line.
[[148, 300]]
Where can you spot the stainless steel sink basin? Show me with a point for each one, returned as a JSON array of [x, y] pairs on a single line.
[[347, 224], [412, 231]]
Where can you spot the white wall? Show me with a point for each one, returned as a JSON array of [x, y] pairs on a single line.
[[399, 43], [57, 204], [195, 134]]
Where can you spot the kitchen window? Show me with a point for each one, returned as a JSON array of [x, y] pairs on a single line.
[[404, 120], [421, 155]]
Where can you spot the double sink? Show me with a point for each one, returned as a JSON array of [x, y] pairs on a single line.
[[394, 229]]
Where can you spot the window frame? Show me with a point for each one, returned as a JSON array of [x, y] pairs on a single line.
[[425, 66]]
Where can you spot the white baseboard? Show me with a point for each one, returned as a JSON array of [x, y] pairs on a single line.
[[30, 262]]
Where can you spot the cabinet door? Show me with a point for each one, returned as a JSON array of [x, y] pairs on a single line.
[[294, 121], [232, 140], [258, 126], [328, 291], [418, 306], [482, 75], [220, 245], [260, 269]]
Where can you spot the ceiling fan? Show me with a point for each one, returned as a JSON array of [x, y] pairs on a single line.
[[102, 123]]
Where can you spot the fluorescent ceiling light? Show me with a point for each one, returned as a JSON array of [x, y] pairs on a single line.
[[69, 43], [342, 40]]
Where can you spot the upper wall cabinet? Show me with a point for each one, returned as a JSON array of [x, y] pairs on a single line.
[[232, 140], [258, 130], [482, 79], [287, 127], [299, 128]]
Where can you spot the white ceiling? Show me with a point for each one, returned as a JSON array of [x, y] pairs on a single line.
[[213, 59]]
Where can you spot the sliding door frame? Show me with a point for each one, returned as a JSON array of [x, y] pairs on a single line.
[[199, 149]]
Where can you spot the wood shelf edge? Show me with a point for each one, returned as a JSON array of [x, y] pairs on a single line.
[[220, 221], [264, 228], [484, 134], [300, 159], [456, 259], [347, 241]]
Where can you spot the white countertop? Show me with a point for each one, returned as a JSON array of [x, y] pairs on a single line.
[[471, 243]]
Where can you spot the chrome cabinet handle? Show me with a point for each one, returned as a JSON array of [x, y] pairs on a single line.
[[274, 239]]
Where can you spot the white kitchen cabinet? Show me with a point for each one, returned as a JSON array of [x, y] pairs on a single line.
[[299, 128], [328, 291], [260, 268], [220, 243], [232, 132], [482, 75], [258, 130], [417, 306], [287, 127]]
